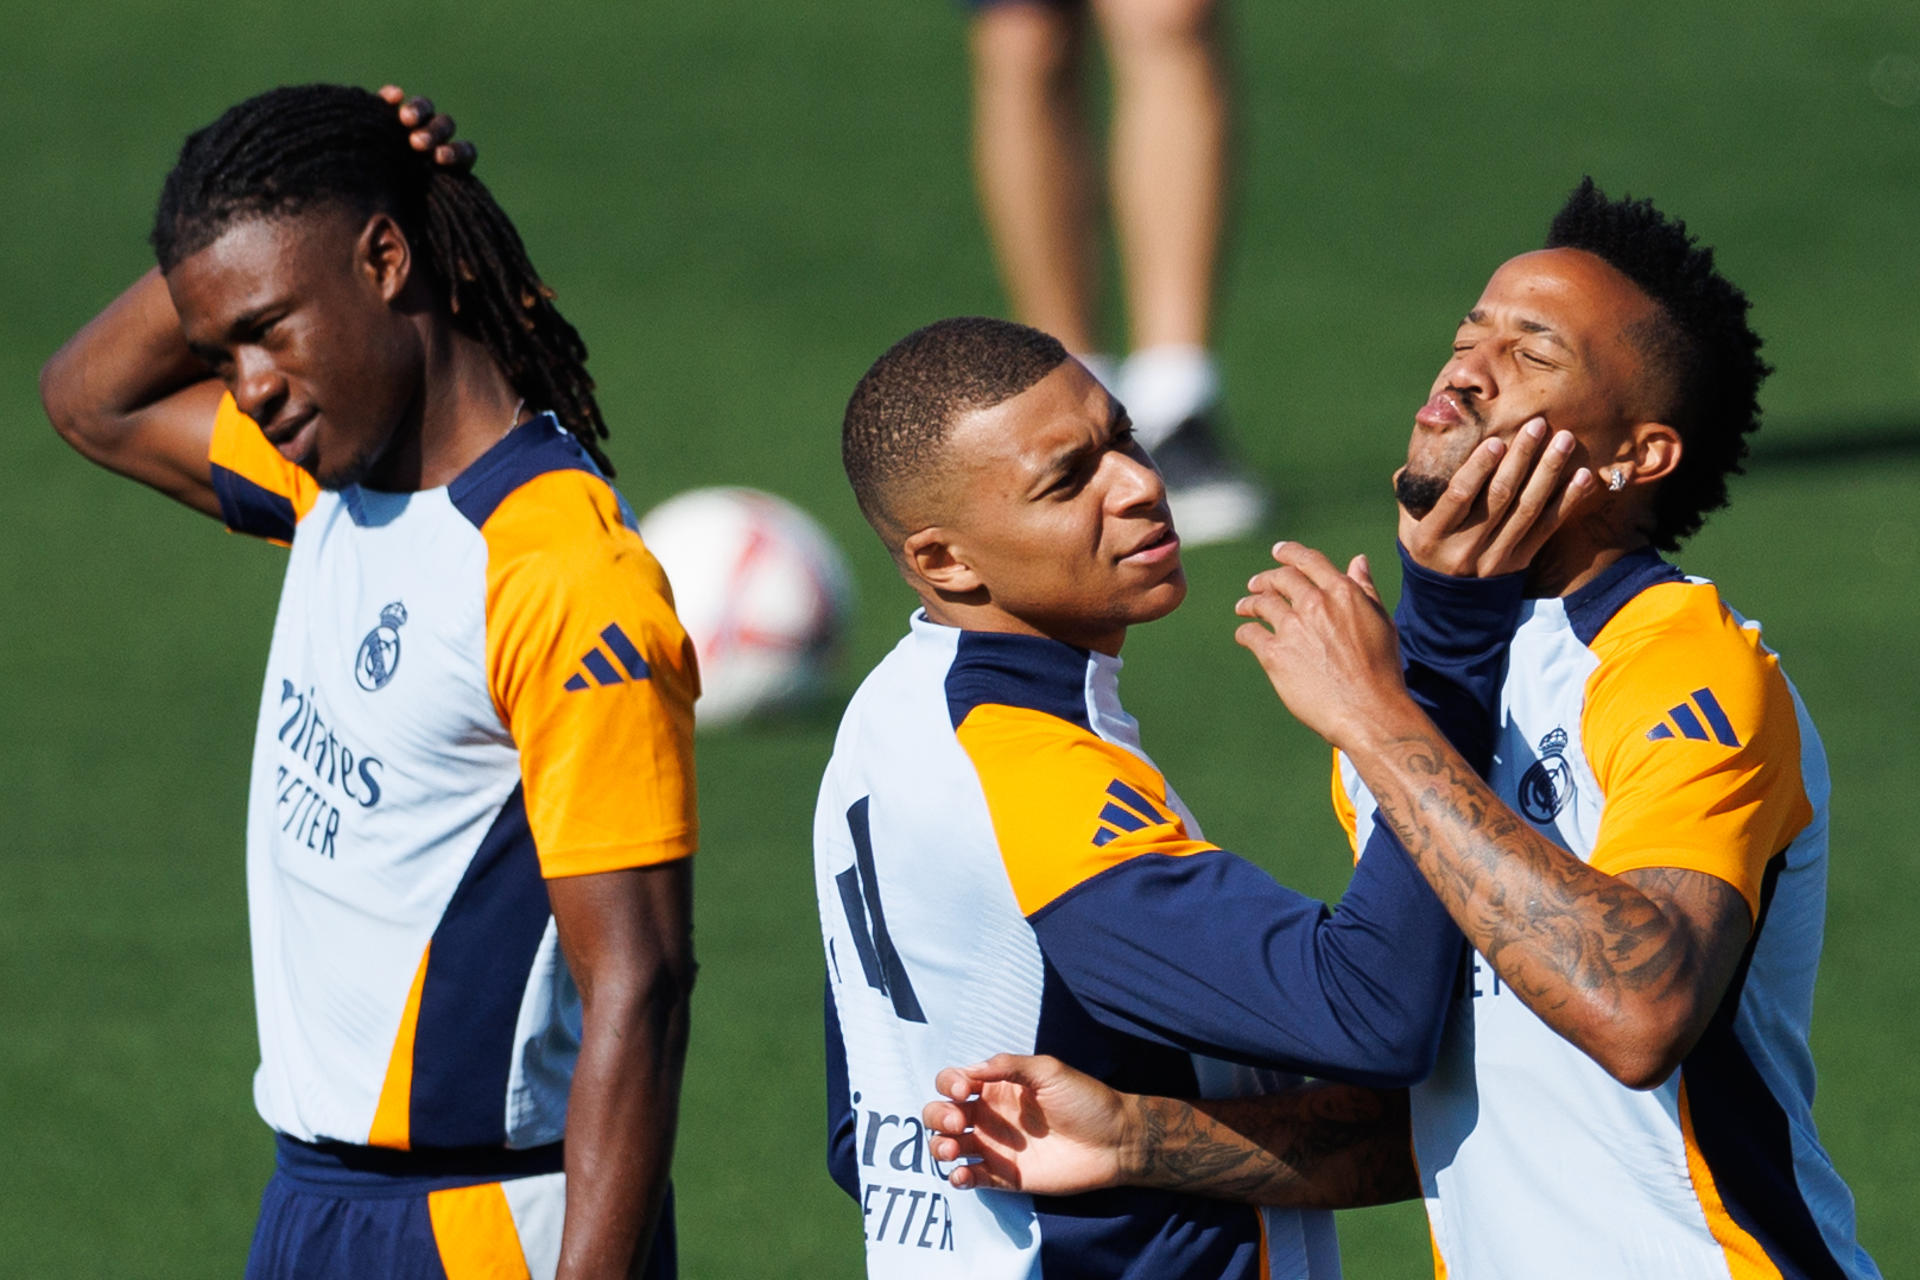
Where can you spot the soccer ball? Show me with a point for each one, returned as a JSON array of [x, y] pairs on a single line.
[[762, 591]]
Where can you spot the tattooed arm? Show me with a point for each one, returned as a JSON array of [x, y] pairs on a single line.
[[1630, 968], [1035, 1124]]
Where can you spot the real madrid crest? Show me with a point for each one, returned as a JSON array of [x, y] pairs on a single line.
[[1546, 787], [379, 655]]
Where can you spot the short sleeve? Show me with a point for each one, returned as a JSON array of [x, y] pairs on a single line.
[[593, 676], [260, 492], [1693, 735], [1066, 804]]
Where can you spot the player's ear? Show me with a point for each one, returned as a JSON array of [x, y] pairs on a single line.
[[384, 256], [1654, 450], [931, 556]]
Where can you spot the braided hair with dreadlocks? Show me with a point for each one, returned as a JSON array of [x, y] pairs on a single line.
[[296, 148]]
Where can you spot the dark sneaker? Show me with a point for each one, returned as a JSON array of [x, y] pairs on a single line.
[[1213, 499]]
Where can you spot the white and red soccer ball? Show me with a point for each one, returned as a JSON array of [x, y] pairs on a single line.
[[762, 591]]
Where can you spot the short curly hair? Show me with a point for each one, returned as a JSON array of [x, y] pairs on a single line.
[[897, 419], [1701, 345]]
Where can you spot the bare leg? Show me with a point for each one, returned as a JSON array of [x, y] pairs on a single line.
[[1033, 157], [1168, 162]]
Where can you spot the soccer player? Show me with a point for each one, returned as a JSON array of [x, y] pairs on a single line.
[[1625, 1087], [471, 808], [988, 762], [1038, 181]]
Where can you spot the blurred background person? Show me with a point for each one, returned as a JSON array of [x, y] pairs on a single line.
[[1039, 188]]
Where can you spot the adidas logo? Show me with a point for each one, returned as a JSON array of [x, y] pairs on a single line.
[[1126, 810], [1683, 722], [601, 667]]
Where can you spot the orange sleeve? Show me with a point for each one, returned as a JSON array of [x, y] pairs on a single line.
[[260, 492], [1691, 730], [1065, 803], [594, 677]]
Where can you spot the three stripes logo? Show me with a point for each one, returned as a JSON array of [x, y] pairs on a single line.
[[1126, 810], [1694, 718], [600, 661]]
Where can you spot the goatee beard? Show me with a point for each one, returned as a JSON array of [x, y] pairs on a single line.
[[1418, 493]]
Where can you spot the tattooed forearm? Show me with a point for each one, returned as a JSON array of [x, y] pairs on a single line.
[[1320, 1146], [1626, 966]]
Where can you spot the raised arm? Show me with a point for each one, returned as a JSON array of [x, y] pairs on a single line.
[[127, 394], [1630, 968]]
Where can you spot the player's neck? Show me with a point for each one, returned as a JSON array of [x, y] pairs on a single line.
[[986, 616], [466, 405], [1576, 556]]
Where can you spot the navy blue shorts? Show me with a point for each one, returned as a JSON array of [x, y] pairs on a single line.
[[336, 1212]]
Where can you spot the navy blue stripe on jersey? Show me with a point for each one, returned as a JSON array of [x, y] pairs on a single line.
[[1454, 634], [1134, 800], [477, 971], [531, 449], [624, 649], [1717, 717], [1592, 607], [843, 1163], [1127, 1233], [601, 668], [348, 1171], [1746, 1138], [1018, 671], [1208, 954], [1690, 726], [246, 507], [1131, 1233]]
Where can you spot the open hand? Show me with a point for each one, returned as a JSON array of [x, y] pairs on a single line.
[[1326, 643], [1031, 1124], [432, 131], [1503, 503]]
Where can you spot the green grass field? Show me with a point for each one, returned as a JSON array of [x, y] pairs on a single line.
[[741, 205]]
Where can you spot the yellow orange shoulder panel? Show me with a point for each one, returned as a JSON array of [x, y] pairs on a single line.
[[593, 675], [1065, 803], [1691, 731]]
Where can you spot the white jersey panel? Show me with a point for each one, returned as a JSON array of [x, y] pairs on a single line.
[[974, 973], [379, 765]]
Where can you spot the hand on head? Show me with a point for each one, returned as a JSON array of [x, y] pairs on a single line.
[[431, 130], [1501, 506], [1031, 1124]]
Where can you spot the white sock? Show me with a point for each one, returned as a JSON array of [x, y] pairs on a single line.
[[1104, 368], [1164, 386]]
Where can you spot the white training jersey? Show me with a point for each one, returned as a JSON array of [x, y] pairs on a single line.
[[470, 689], [977, 780], [1645, 725]]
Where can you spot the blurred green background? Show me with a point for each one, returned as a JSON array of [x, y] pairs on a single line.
[[741, 205]]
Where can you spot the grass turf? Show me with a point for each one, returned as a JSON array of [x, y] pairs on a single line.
[[741, 205]]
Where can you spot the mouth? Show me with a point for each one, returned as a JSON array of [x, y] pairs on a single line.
[[294, 437], [1445, 410], [1160, 545]]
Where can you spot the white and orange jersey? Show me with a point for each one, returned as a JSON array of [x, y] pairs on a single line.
[[1644, 725], [470, 689]]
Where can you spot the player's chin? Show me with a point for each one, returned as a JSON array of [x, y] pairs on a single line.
[[338, 467], [1160, 598]]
